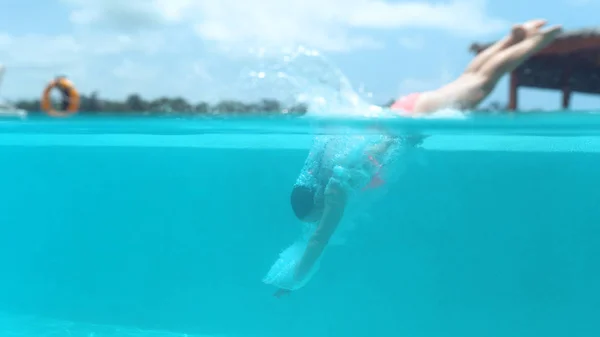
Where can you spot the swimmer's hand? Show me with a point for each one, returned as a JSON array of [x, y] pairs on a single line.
[[281, 292], [414, 140], [335, 203], [380, 148]]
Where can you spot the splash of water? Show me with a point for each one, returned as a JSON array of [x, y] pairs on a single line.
[[305, 76]]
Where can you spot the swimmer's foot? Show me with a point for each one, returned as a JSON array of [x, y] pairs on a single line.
[[552, 32], [517, 34], [533, 29], [527, 29], [533, 26], [544, 37], [281, 292]]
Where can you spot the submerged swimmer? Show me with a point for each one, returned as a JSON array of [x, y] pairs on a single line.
[[321, 191], [335, 168]]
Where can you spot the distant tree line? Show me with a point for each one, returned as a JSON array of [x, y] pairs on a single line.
[[134, 103]]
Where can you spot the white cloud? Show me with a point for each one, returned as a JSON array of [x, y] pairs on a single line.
[[114, 42], [93, 60], [38, 50], [129, 70], [199, 70], [328, 25], [147, 43], [466, 18], [127, 16]]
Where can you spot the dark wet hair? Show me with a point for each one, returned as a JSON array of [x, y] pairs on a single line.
[[303, 201]]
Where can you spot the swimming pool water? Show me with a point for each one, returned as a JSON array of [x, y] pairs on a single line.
[[114, 228]]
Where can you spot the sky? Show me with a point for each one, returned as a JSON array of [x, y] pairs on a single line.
[[206, 50]]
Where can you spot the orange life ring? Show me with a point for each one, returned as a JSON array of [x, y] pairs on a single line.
[[70, 98]]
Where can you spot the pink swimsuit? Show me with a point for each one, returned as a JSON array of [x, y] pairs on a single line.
[[406, 103], [405, 106]]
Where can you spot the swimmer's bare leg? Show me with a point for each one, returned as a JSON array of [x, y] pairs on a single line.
[[509, 59], [467, 91], [335, 204], [517, 34], [335, 201]]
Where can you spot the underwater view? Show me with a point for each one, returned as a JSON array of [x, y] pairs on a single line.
[[228, 169], [113, 233]]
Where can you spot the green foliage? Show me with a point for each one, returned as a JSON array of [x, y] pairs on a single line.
[[135, 104]]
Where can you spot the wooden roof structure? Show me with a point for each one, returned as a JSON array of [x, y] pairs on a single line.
[[570, 64]]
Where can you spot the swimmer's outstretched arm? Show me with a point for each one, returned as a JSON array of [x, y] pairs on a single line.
[[335, 203]]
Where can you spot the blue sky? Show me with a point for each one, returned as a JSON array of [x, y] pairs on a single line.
[[199, 49]]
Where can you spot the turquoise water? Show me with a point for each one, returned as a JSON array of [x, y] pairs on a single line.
[[165, 227]]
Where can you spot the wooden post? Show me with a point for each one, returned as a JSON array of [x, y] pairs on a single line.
[[566, 98], [513, 91], [566, 90]]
